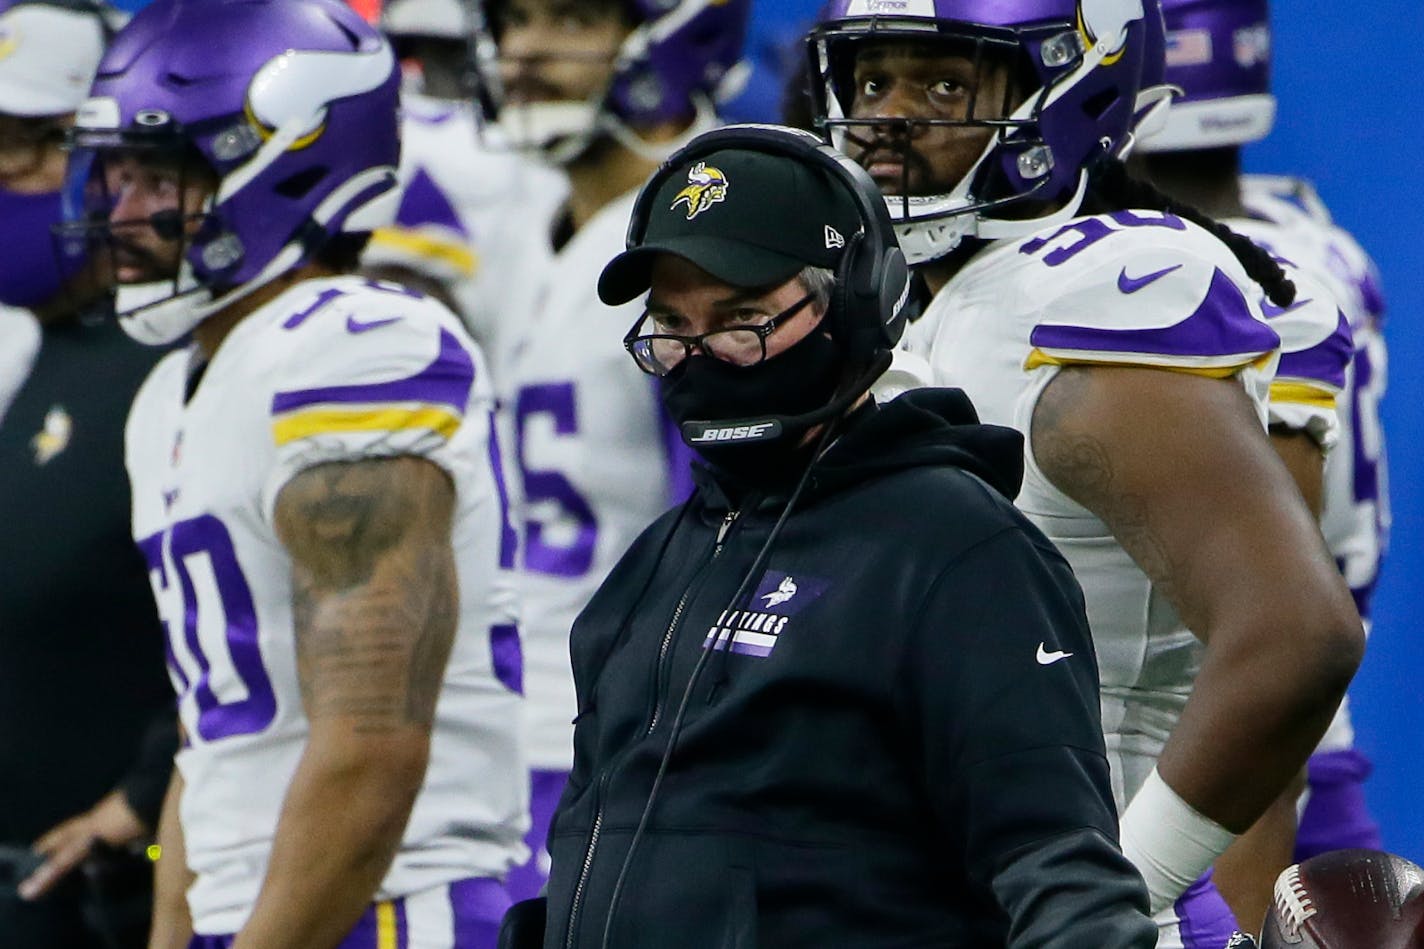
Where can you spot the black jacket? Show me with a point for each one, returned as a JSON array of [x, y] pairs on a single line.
[[892, 754]]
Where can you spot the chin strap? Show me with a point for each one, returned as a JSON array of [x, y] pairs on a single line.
[[994, 228], [704, 120]]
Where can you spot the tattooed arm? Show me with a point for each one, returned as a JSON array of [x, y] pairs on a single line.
[[375, 603], [1178, 468]]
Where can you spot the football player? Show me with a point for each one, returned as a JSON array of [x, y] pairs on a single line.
[[85, 765], [313, 488], [1124, 336], [1219, 53], [603, 89], [466, 200]]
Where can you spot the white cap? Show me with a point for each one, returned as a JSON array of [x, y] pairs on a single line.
[[443, 18], [48, 56]]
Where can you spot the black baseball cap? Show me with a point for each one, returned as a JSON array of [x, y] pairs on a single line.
[[749, 218]]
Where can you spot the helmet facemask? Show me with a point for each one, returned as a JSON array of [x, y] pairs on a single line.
[[646, 65], [1067, 104], [143, 259]]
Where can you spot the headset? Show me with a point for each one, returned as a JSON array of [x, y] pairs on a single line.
[[867, 311]]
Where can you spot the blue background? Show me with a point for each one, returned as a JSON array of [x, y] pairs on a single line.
[[1347, 76]]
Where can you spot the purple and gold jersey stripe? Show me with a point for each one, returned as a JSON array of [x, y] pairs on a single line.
[[463, 914], [1038, 357], [349, 421], [432, 399], [1322, 365], [1222, 333], [446, 381], [382, 926], [456, 255], [1302, 393]]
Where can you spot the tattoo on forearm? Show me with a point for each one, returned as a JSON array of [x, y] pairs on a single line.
[[374, 589], [1082, 467]]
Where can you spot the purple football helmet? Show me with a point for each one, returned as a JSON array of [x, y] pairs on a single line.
[[1219, 54], [1088, 70], [681, 60], [291, 104]]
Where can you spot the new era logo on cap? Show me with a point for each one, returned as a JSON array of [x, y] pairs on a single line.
[[833, 238]]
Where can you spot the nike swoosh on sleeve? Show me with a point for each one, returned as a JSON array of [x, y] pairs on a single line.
[[354, 325], [1131, 285]]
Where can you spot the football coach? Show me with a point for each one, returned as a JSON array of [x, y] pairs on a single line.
[[846, 694]]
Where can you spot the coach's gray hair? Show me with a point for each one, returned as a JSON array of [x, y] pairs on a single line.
[[819, 282]]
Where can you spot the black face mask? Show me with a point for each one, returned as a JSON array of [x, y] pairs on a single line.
[[768, 408]]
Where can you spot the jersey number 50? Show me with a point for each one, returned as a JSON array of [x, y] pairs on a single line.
[[205, 565]]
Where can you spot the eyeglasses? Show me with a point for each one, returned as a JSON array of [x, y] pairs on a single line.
[[743, 345]]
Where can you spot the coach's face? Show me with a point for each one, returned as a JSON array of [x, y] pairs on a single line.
[[685, 300]]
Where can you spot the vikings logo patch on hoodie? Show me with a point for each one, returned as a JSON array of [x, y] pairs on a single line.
[[755, 629]]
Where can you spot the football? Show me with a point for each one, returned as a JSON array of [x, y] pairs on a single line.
[[1348, 899]]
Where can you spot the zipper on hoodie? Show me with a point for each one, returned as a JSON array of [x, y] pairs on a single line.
[[676, 621], [668, 635]]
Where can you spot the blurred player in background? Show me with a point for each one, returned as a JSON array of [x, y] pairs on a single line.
[[87, 731], [604, 89], [466, 200], [313, 490], [1124, 336], [1219, 52]]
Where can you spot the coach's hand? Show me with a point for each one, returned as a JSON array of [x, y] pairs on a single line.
[[66, 846]]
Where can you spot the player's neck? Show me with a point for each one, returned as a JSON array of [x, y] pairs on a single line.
[[937, 273], [1207, 180], [608, 170], [209, 334]]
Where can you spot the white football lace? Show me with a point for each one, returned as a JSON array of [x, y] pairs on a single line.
[[1293, 902]]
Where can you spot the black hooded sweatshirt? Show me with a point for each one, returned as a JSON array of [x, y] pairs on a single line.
[[902, 746]]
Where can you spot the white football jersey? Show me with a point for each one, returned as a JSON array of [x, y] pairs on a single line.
[[598, 461], [1293, 223], [1356, 520], [1133, 288], [465, 212], [1316, 342], [19, 345], [332, 370]]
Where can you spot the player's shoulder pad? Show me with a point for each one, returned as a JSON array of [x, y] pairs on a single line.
[[1309, 229], [368, 355], [1316, 342], [1140, 288], [1283, 197]]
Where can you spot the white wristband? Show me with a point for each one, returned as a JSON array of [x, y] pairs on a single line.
[[1168, 841]]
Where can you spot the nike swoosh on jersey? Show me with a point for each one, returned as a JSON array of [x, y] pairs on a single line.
[[1271, 311], [1131, 285], [354, 325], [1046, 658]]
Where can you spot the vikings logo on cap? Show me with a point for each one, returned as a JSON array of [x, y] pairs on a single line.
[[706, 187]]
